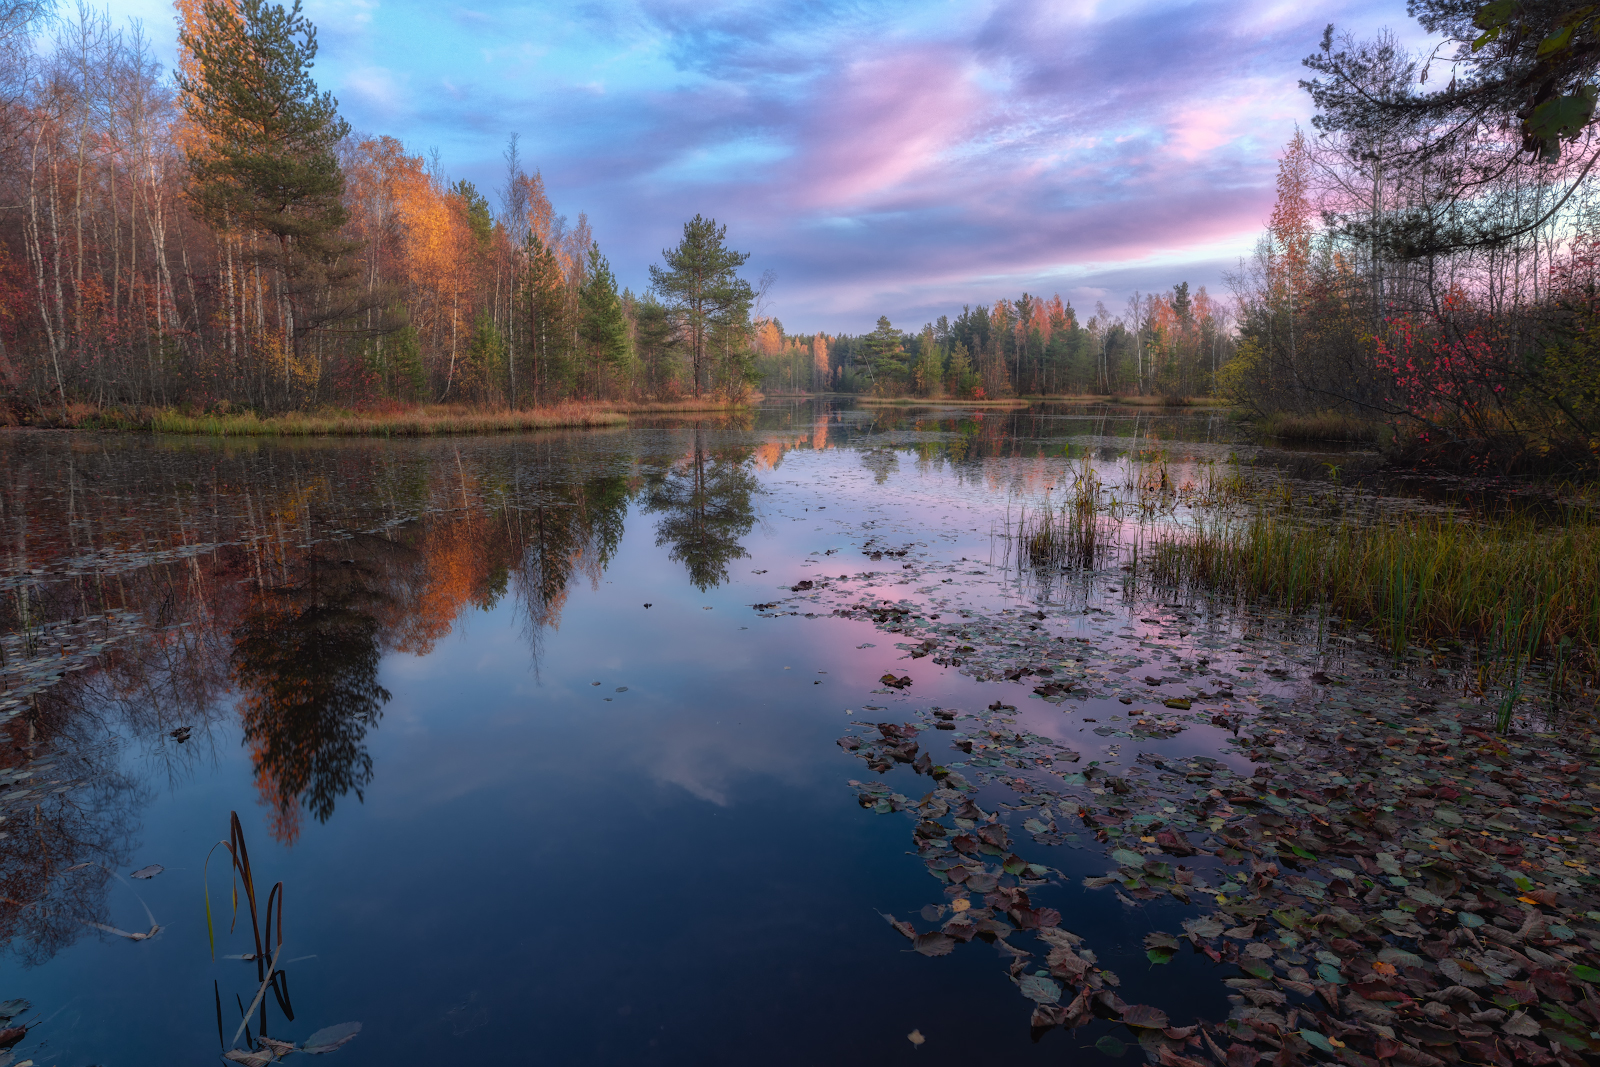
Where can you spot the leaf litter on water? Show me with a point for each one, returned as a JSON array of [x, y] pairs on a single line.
[[1394, 882]]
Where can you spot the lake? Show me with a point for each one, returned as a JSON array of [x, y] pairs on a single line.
[[565, 748]]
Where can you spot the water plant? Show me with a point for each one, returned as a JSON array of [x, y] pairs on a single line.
[[1516, 588], [260, 1050]]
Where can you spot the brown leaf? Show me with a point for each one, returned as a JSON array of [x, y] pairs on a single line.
[[1242, 1056], [1170, 1058], [905, 928], [1144, 1017], [934, 943]]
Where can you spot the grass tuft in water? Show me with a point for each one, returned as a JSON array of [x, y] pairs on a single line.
[[1517, 589], [1324, 426]]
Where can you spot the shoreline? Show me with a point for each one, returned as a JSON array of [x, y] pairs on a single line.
[[422, 421]]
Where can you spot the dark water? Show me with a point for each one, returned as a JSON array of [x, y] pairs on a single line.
[[540, 785]]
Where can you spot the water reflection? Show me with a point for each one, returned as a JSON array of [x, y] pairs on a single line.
[[305, 660], [705, 499], [147, 593]]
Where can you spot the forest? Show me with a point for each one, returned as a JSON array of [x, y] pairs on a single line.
[[220, 239], [1430, 266], [1164, 344]]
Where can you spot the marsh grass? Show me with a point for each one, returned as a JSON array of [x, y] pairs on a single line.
[[1067, 535], [1518, 590], [1324, 426]]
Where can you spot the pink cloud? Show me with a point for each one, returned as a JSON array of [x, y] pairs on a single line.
[[886, 120]]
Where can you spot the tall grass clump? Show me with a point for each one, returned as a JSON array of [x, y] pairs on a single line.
[[1068, 535], [1334, 426], [1517, 589]]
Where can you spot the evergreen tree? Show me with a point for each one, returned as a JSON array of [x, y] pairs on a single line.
[[654, 340], [929, 370], [486, 355], [601, 325], [701, 288], [884, 354], [266, 163], [960, 378], [545, 312]]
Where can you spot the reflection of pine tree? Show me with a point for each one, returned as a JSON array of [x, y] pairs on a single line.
[[307, 659], [706, 501], [580, 533]]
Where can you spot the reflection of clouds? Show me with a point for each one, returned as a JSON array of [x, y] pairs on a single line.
[[707, 760]]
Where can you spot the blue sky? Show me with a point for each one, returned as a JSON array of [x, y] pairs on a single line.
[[879, 157]]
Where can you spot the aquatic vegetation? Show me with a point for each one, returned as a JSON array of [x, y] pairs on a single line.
[[1515, 588], [1323, 426], [260, 1050]]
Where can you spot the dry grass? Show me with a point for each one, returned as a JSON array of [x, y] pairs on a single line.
[[1324, 426], [421, 422]]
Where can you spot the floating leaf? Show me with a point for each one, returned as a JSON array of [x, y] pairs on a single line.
[[148, 872], [934, 943], [1111, 1046], [1040, 989], [259, 1058], [1316, 1040], [10, 1008], [916, 1038], [1144, 1017], [331, 1037]]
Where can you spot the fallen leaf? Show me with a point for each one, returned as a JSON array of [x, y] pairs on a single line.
[[1111, 1046], [1144, 1017], [1039, 989], [331, 1037], [148, 872], [916, 1038]]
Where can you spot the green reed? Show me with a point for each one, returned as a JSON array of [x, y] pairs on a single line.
[[1518, 589]]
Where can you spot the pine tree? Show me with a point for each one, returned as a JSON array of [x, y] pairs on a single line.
[[545, 312], [601, 324], [701, 287], [960, 379], [930, 372], [265, 164]]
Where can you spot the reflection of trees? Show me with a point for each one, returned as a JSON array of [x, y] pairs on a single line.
[[67, 804], [577, 532], [705, 499], [306, 657]]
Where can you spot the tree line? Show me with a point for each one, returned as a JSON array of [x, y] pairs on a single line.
[[219, 237], [1431, 262], [1170, 343]]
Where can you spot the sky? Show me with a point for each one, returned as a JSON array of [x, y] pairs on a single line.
[[879, 158]]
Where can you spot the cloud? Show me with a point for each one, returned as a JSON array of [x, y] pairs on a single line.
[[882, 156]]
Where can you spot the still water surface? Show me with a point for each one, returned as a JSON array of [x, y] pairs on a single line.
[[540, 783]]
